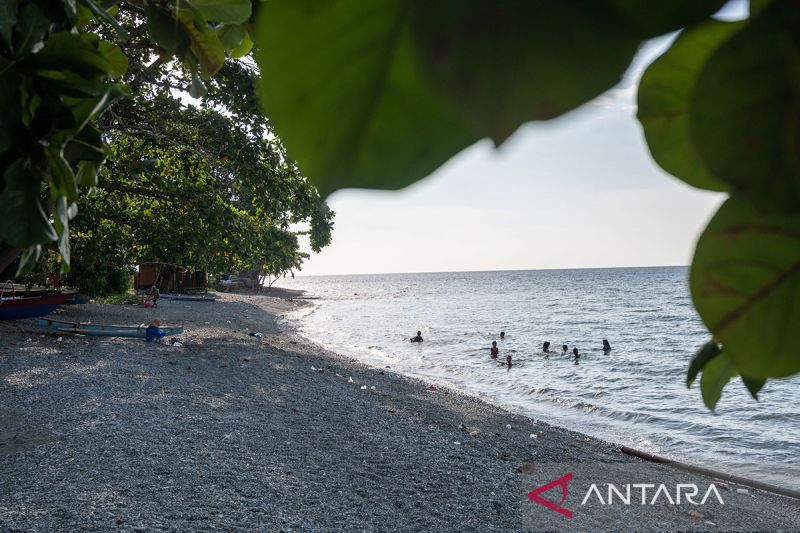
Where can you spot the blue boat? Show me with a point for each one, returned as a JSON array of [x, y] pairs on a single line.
[[103, 330], [189, 297]]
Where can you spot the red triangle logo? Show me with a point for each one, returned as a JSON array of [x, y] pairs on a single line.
[[560, 482]]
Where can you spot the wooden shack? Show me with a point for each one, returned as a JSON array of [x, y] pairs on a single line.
[[170, 278]]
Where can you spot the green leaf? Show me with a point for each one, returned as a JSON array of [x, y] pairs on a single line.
[[704, 355], [198, 88], [345, 93], [77, 53], [665, 91], [657, 17], [225, 11], [753, 385], [745, 282], [10, 104], [62, 178], [164, 29], [30, 30], [86, 145], [24, 222], [744, 113], [61, 221], [117, 59], [716, 374], [204, 42], [243, 49], [231, 35], [8, 18], [497, 62], [87, 173], [105, 16], [28, 258]]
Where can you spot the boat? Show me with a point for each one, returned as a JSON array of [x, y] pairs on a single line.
[[16, 307], [189, 297], [104, 330]]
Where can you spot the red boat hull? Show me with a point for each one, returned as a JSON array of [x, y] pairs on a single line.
[[30, 306]]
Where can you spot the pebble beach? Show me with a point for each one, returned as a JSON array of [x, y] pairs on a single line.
[[230, 432]]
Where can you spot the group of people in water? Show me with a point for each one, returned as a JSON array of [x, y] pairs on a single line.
[[494, 352]]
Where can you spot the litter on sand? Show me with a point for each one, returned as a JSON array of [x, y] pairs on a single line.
[[350, 380], [392, 411], [508, 426], [372, 388], [432, 387], [363, 387], [256, 334], [534, 436]]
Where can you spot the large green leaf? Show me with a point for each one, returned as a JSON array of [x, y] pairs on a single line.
[[117, 60], [164, 29], [23, 222], [8, 18], [745, 111], [9, 103], [655, 17], [225, 11], [204, 41], [664, 94], [507, 62], [745, 282], [704, 355], [343, 88], [30, 30], [716, 374], [74, 52]]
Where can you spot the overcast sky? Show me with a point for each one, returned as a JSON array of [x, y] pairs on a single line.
[[579, 191]]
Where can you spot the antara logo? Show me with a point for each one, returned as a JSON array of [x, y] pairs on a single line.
[[684, 492]]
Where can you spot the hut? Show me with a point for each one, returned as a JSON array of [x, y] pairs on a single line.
[[170, 278]]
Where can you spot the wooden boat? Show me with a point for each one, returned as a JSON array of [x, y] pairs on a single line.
[[104, 330], [16, 307]]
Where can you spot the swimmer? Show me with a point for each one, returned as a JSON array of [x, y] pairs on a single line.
[[576, 354], [418, 338], [564, 348], [495, 351], [508, 361], [546, 347], [502, 335], [606, 346]]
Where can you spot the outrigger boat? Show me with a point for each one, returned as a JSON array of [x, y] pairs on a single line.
[[189, 297], [16, 307], [103, 330]]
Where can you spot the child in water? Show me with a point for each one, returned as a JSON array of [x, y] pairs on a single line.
[[495, 351], [508, 361]]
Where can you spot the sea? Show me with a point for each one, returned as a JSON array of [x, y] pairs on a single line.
[[635, 395]]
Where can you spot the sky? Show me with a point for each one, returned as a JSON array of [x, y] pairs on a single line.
[[580, 191]]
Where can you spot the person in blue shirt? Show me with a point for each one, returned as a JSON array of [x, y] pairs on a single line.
[[153, 332]]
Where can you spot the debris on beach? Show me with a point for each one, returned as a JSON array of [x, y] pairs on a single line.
[[456, 442], [295, 410], [508, 426], [60, 339], [742, 491], [363, 387], [534, 436], [313, 368], [350, 380], [474, 433], [432, 387], [372, 387], [695, 514], [526, 468], [392, 410]]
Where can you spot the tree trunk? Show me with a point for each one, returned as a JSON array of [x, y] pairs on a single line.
[[8, 254]]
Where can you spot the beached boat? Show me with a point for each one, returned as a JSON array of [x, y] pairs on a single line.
[[104, 330], [16, 307], [189, 297]]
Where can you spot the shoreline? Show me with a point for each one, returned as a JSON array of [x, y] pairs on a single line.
[[211, 422]]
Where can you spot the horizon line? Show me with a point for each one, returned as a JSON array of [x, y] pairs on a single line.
[[300, 274]]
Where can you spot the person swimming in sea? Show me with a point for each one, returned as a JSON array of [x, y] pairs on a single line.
[[576, 354], [508, 361], [418, 338], [606, 346], [502, 335], [494, 351], [546, 347], [564, 348]]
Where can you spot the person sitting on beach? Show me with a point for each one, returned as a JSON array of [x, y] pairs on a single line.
[[502, 335], [606, 346], [508, 361], [153, 332], [546, 347], [418, 338], [153, 295], [564, 348], [495, 351]]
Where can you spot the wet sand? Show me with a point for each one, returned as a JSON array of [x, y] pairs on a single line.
[[231, 432]]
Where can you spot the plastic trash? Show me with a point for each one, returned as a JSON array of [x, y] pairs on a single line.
[[313, 368], [508, 426], [534, 436], [350, 380], [742, 491], [474, 433], [60, 339], [456, 442], [372, 388], [392, 411], [363, 387], [256, 334], [433, 387]]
